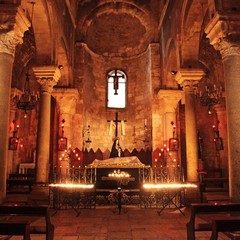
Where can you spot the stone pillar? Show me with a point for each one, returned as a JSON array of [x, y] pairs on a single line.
[[13, 23], [187, 78], [223, 33], [67, 100], [47, 76], [168, 102]]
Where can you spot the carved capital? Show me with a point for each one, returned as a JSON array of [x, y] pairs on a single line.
[[223, 33], [13, 24], [47, 77], [227, 48], [47, 84], [189, 77]]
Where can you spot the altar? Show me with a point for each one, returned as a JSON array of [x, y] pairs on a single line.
[[100, 171]]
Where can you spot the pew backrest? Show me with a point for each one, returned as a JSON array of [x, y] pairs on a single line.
[[20, 180], [41, 211], [229, 224], [15, 229], [208, 208]]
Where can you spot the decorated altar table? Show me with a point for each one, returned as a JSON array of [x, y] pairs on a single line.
[[99, 171]]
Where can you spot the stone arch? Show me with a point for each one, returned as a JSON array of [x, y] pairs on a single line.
[[170, 66], [24, 58], [42, 18], [63, 59], [191, 25], [209, 57]]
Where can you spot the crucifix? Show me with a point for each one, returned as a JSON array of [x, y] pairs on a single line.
[[115, 77], [116, 121]]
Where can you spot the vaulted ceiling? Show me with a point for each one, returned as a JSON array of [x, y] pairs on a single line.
[[117, 28]]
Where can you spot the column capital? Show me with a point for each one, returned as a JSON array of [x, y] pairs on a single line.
[[67, 99], [47, 77], [13, 24], [223, 33], [188, 77]]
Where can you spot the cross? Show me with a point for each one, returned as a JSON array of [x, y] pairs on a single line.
[[115, 81], [116, 121]]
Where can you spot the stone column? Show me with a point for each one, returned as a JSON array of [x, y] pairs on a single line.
[[13, 23], [223, 33], [67, 100], [187, 78], [47, 76], [168, 102]]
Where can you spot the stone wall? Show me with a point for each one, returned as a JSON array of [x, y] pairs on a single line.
[[94, 69]]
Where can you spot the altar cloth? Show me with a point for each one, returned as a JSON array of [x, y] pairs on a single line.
[[118, 162]]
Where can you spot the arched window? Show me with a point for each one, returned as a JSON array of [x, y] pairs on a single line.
[[116, 89]]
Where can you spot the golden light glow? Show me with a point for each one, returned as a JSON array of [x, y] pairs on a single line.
[[169, 185], [72, 185], [119, 174]]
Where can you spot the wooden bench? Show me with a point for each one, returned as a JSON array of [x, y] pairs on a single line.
[[228, 224], [20, 180], [215, 209], [30, 213], [212, 184], [12, 228]]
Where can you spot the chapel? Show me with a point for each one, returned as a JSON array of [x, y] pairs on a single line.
[[160, 76]]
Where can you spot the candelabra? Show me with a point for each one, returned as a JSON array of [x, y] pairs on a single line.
[[163, 157], [28, 100], [121, 177], [70, 166], [211, 95]]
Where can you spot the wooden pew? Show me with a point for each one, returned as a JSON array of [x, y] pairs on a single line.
[[224, 225], [12, 213], [22, 176], [20, 180], [212, 184], [12, 228], [208, 208]]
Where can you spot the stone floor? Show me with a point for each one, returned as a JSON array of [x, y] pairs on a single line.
[[105, 222], [133, 223]]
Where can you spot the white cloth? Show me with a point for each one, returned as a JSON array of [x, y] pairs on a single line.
[[123, 127], [128, 162]]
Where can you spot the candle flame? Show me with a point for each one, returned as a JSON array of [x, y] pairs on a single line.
[[169, 185], [72, 185]]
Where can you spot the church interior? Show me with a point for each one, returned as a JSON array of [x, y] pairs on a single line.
[[157, 80]]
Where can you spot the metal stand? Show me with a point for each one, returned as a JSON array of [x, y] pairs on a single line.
[[169, 198]]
